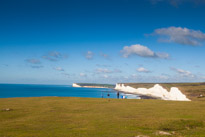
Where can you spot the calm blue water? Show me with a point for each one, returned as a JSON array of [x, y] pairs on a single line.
[[22, 90]]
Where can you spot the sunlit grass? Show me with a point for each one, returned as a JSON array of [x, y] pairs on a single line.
[[86, 117]]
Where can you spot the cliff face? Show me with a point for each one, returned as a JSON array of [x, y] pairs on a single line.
[[156, 91], [75, 85]]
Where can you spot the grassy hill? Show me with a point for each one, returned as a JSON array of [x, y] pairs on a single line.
[[86, 117], [191, 90]]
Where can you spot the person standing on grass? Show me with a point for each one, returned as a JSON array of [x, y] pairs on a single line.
[[118, 95]]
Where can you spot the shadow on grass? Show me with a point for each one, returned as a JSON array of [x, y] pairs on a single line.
[[181, 125]]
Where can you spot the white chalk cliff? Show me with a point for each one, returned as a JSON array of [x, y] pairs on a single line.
[[156, 91], [76, 85]]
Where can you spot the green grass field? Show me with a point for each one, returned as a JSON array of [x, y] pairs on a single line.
[[91, 117]]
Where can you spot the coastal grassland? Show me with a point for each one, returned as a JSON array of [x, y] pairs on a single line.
[[92, 117], [191, 90]]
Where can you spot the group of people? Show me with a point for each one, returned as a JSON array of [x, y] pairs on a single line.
[[118, 96]]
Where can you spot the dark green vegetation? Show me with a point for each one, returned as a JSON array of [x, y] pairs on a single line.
[[98, 85], [194, 91], [86, 117]]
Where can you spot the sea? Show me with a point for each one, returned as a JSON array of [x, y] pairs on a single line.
[[32, 90]]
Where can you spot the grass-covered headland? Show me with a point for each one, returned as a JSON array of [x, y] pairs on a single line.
[[194, 91], [92, 117]]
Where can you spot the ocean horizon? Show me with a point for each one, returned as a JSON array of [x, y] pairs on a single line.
[[41, 90]]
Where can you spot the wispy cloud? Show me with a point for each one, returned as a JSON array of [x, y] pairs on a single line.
[[65, 74], [58, 69], [54, 56], [83, 75], [106, 56], [37, 66], [142, 69], [142, 51], [105, 76], [105, 70], [89, 55], [180, 35], [33, 61], [182, 72]]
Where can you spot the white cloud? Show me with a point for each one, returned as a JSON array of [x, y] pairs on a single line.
[[180, 35], [89, 55], [141, 69], [59, 69], [142, 51], [182, 72]]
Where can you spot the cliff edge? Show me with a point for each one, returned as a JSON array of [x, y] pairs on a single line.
[[155, 91], [76, 85]]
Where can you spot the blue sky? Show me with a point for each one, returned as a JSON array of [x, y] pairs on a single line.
[[102, 41]]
